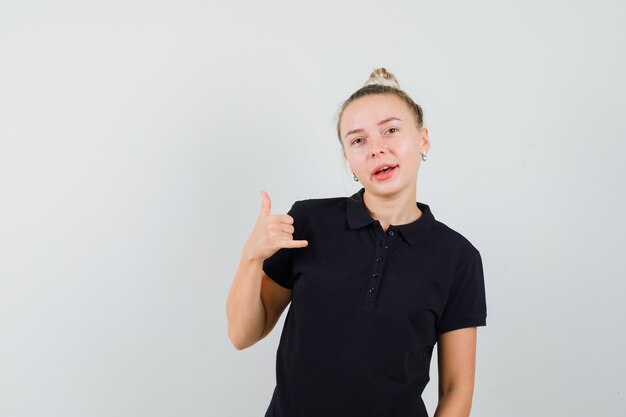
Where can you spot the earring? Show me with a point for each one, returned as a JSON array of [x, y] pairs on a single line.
[[424, 156], [355, 178]]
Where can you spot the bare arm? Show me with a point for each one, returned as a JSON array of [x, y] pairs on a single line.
[[275, 299], [244, 309], [254, 305], [255, 302], [457, 365]]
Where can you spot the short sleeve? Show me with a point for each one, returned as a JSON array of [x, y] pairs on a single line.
[[466, 305], [279, 266]]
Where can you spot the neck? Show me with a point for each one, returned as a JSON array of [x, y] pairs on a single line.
[[397, 209]]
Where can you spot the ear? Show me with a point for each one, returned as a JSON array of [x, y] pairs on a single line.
[[425, 143]]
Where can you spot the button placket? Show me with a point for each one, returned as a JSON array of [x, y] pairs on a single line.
[[391, 233], [382, 243], [375, 280]]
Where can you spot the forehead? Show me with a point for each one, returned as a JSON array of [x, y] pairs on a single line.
[[369, 110]]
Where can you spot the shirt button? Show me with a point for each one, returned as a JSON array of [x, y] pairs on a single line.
[[375, 275], [390, 233], [372, 289], [379, 259]]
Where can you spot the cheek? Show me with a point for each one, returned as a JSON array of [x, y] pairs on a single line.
[[356, 162], [410, 155], [357, 155], [411, 149]]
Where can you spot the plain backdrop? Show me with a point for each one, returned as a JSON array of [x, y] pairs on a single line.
[[135, 138]]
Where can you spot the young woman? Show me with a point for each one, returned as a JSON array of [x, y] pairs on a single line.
[[374, 280]]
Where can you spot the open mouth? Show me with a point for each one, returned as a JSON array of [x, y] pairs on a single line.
[[385, 172]]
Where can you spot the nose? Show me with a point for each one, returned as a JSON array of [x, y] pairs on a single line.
[[377, 146]]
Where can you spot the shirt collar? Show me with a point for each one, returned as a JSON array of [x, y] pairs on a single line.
[[359, 217]]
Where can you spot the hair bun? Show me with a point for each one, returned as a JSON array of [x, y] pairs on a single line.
[[381, 76]]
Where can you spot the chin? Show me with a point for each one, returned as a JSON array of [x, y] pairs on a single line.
[[387, 188], [390, 187]]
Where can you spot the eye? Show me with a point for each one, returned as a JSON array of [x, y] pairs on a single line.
[[355, 140], [392, 128]]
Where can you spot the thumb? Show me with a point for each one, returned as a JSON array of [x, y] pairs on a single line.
[[266, 205]]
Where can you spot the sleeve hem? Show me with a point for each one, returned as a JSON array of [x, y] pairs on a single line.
[[461, 323], [281, 283]]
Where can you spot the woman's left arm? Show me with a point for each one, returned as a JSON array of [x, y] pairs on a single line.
[[456, 356]]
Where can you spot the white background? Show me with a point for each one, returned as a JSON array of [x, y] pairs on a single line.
[[135, 138]]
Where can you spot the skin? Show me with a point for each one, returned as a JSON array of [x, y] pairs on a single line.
[[392, 202]]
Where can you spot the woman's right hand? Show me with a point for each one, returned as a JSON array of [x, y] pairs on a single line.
[[271, 233]]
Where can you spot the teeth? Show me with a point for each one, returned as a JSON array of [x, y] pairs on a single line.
[[383, 169]]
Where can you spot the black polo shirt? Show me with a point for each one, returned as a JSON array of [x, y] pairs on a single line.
[[366, 309]]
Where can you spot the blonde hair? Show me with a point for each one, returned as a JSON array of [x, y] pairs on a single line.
[[382, 81]]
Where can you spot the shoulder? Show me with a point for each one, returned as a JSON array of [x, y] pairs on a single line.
[[318, 214], [462, 259], [452, 241], [319, 206], [312, 203]]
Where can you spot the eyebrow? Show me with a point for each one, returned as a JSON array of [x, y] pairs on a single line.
[[382, 122]]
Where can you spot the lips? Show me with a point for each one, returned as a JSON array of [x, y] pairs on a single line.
[[385, 174], [381, 166]]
